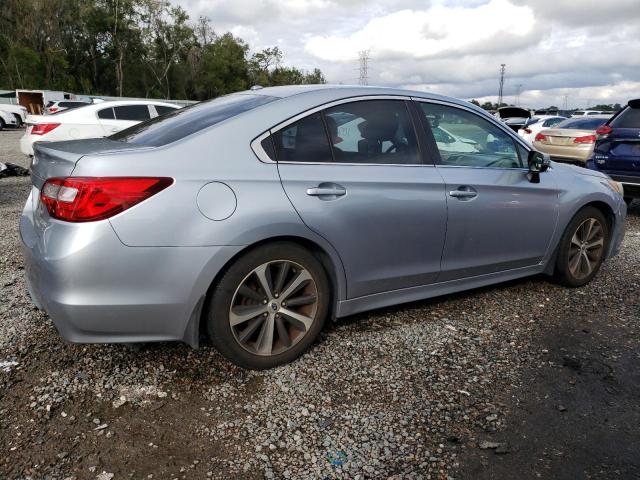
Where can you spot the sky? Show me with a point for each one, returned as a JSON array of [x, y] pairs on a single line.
[[557, 52]]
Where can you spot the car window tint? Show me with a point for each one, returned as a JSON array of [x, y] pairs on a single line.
[[132, 112], [161, 109], [268, 147], [106, 113], [628, 118], [303, 141], [183, 122], [373, 131], [474, 142], [551, 122], [583, 123]]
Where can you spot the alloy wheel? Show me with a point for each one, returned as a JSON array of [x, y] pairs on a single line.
[[273, 307], [586, 248]]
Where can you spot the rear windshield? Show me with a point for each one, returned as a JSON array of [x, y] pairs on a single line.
[[628, 118], [584, 123], [180, 123]]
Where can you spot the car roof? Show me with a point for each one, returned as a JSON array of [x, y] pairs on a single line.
[[308, 95]]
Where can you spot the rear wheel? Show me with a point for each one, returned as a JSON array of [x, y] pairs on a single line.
[[269, 306], [18, 120], [582, 248], [2, 124]]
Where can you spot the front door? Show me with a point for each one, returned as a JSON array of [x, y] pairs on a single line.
[[356, 176], [497, 219]]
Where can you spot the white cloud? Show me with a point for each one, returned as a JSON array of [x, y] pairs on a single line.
[[587, 49], [434, 32]]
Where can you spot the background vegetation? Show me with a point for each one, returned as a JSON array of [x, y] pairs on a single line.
[[134, 48]]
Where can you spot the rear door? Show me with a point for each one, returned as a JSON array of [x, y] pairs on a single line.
[[620, 149], [497, 219], [117, 118], [357, 176]]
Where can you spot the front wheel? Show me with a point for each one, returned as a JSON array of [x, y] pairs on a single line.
[[269, 306], [18, 120], [582, 248]]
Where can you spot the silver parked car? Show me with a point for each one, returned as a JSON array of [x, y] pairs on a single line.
[[257, 216]]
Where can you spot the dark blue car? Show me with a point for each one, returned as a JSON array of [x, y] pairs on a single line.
[[617, 149]]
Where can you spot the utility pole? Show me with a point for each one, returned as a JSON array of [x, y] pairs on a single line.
[[501, 84], [364, 67], [565, 101]]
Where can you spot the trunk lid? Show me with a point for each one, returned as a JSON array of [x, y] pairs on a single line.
[[58, 159], [564, 136]]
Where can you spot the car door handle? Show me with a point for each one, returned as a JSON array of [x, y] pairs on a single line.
[[334, 191], [463, 193]]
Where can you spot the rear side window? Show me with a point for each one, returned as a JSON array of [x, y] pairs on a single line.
[[161, 109], [628, 118], [136, 113], [551, 122], [106, 113], [72, 104], [373, 132], [303, 141], [183, 122]]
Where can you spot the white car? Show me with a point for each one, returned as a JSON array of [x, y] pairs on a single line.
[[92, 121], [587, 113], [7, 120], [17, 111], [533, 126]]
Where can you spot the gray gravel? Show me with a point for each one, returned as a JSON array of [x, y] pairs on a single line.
[[395, 393]]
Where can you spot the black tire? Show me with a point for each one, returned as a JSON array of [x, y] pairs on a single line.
[[567, 250], [218, 315], [18, 120], [2, 124]]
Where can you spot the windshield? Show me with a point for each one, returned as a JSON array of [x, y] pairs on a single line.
[[582, 123], [180, 123]]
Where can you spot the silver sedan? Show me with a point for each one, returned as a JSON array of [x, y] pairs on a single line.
[[256, 217]]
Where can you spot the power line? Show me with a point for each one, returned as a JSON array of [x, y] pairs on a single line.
[[502, 67], [363, 56]]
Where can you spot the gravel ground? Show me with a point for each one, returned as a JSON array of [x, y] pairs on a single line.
[[405, 392]]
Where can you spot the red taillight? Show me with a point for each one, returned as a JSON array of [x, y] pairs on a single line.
[[603, 131], [527, 130], [42, 128], [53, 109], [540, 138], [87, 199], [585, 139]]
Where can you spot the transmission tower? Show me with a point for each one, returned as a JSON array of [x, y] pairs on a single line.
[[364, 67], [516, 100], [501, 84], [565, 102]]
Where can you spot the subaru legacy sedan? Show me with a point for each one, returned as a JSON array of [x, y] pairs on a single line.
[[255, 217]]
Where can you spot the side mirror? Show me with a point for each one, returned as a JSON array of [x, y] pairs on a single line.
[[538, 163]]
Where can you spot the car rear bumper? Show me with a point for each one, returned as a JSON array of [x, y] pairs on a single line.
[[559, 153], [26, 144], [97, 290]]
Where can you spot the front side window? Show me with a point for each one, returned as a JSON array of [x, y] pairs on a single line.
[[470, 140], [136, 113]]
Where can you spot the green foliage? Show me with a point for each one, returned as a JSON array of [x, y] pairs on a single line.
[[138, 48]]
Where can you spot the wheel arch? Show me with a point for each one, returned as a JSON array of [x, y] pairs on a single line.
[[329, 260], [600, 205]]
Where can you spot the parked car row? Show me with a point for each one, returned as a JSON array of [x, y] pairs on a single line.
[[12, 115], [90, 121]]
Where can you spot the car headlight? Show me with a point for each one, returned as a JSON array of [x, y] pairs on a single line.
[[616, 186]]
